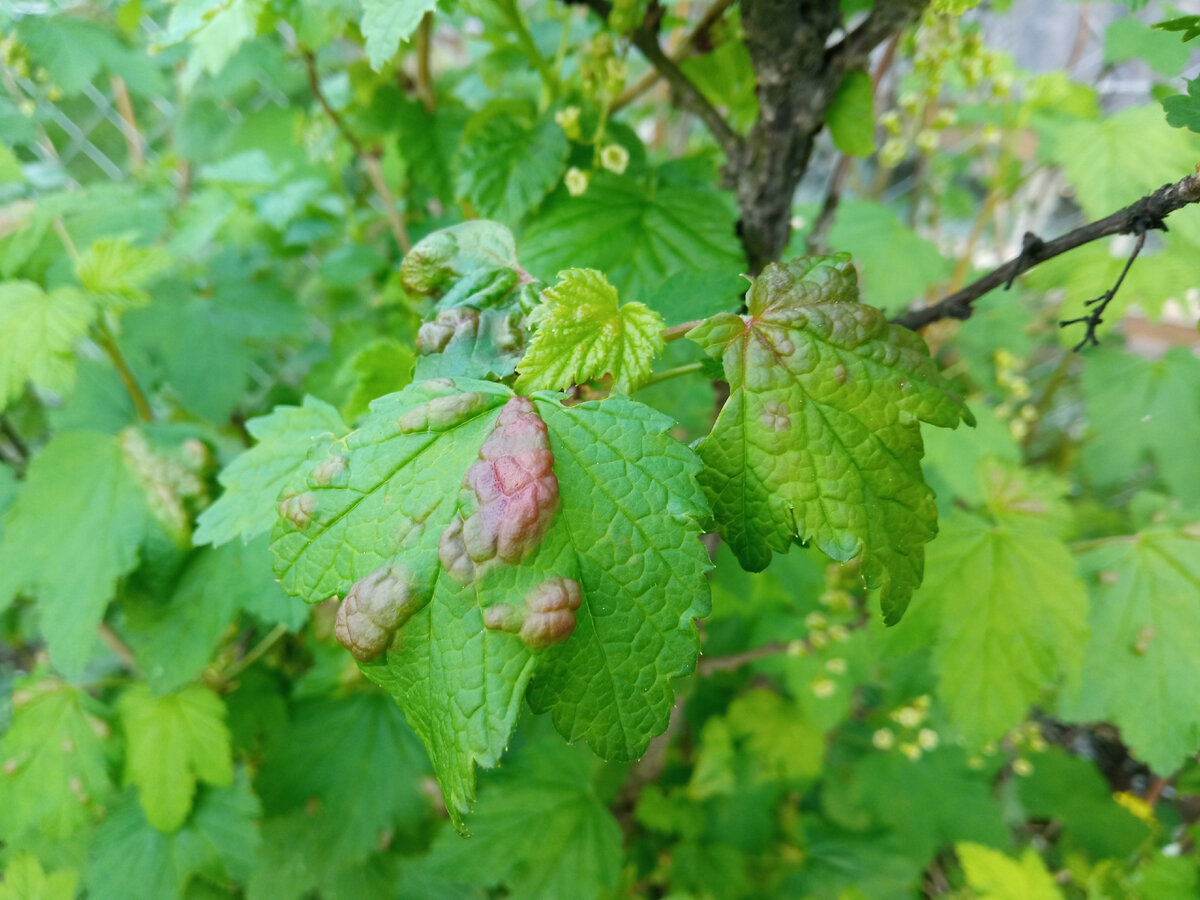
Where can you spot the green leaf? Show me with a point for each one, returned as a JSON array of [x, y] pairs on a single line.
[[1010, 617], [253, 480], [81, 482], [618, 543], [510, 159], [782, 741], [540, 829], [1141, 662], [53, 765], [583, 334], [638, 231], [1189, 25], [25, 879], [1127, 38], [38, 333], [386, 23], [171, 743], [1183, 110], [1143, 410], [820, 438], [130, 859], [352, 767], [995, 876], [173, 638], [116, 271], [851, 116]]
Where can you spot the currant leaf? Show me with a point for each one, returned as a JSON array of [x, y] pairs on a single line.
[[582, 333], [486, 537], [38, 332], [820, 439]]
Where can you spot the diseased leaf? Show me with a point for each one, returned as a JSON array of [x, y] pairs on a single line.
[[38, 333], [252, 482], [582, 334], [820, 438], [500, 536], [540, 829], [1141, 664], [171, 743], [386, 23], [1009, 615], [81, 482], [53, 766], [638, 231], [995, 876], [510, 159]]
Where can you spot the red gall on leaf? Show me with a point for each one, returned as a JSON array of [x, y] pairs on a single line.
[[547, 618], [374, 608], [515, 492], [298, 508]]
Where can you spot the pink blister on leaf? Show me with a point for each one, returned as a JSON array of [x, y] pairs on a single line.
[[548, 616], [375, 607], [516, 495]]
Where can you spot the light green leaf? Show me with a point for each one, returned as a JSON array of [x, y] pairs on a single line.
[[252, 482], [130, 859], [171, 743], [25, 879], [995, 876], [540, 829], [81, 482], [851, 116], [638, 231], [38, 333], [354, 756], [783, 742], [1127, 38], [1141, 666], [1143, 410], [510, 159], [117, 272], [386, 23], [582, 334], [819, 440], [620, 540], [53, 767], [1010, 616]]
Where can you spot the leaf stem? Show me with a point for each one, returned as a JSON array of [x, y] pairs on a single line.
[[668, 374], [424, 74], [675, 332], [255, 654], [108, 344], [117, 645], [516, 21]]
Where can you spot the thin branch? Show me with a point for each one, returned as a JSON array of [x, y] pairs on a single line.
[[129, 125], [254, 655], [710, 664], [675, 332], [369, 158], [645, 38], [1099, 305], [108, 344], [117, 645], [1135, 218], [686, 48], [668, 374], [887, 18]]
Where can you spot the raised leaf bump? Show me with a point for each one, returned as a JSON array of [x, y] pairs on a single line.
[[820, 438]]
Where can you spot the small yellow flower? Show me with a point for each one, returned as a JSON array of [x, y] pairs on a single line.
[[909, 716], [615, 158], [815, 620], [839, 633], [912, 751], [568, 121], [927, 738], [883, 739], [1022, 767], [576, 181], [836, 666]]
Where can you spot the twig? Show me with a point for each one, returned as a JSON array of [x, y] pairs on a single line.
[[1099, 304], [129, 126], [675, 332], [1150, 209], [687, 47], [369, 158], [645, 38], [424, 74], [254, 655]]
